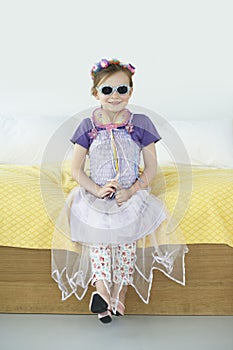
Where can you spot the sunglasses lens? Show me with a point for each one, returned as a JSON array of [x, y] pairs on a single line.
[[106, 90], [122, 89]]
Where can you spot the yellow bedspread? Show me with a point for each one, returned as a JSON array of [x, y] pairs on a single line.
[[25, 221]]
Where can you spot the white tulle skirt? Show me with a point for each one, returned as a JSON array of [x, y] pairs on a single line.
[[86, 221], [102, 221]]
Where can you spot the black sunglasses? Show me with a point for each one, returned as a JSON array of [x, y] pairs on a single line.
[[109, 90]]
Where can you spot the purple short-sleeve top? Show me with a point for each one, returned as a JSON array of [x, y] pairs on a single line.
[[144, 132]]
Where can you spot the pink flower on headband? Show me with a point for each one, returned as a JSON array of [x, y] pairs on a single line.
[[131, 68]]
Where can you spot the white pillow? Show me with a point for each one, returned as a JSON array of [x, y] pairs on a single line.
[[23, 140], [209, 143]]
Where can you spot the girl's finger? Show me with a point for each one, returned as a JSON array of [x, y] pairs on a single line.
[[110, 187], [114, 185]]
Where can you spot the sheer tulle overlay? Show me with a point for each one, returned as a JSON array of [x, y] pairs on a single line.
[[71, 265], [87, 221]]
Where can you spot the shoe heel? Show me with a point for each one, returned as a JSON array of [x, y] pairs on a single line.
[[105, 317]]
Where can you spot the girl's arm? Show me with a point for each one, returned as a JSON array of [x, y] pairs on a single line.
[[150, 168], [80, 176]]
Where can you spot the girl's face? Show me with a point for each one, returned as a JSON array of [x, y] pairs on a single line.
[[115, 102]]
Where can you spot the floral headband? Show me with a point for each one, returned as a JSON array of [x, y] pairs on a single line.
[[104, 63]]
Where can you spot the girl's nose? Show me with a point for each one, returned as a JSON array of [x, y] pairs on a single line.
[[115, 93]]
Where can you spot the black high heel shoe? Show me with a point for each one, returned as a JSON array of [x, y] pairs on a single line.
[[98, 305]]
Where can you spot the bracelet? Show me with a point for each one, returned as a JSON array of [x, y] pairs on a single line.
[[140, 180]]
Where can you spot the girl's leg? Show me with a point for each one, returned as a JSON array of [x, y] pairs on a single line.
[[125, 257], [101, 269], [122, 294]]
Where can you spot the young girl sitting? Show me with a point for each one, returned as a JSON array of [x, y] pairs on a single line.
[[115, 229]]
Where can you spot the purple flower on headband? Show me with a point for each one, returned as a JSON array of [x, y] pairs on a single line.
[[104, 63]]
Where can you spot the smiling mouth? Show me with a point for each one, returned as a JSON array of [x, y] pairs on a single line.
[[115, 102]]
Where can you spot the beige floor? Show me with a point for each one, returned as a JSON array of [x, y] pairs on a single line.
[[47, 332]]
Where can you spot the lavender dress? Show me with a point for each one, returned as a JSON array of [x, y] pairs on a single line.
[[98, 221], [87, 220]]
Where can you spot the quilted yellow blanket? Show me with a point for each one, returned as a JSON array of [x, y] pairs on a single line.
[[31, 198]]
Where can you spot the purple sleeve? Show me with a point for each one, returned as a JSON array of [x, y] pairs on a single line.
[[144, 130], [80, 135]]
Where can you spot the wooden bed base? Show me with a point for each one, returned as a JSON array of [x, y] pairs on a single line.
[[26, 285]]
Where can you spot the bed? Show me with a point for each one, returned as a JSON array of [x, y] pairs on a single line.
[[29, 207]]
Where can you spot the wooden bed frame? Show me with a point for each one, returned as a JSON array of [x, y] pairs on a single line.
[[26, 285]]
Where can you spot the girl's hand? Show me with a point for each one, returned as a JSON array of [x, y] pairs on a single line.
[[108, 189], [122, 195]]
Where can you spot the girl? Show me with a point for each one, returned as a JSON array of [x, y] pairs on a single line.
[[112, 232]]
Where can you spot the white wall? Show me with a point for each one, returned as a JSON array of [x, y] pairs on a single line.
[[182, 51]]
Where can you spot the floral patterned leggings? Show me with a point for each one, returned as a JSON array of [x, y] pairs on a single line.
[[113, 264]]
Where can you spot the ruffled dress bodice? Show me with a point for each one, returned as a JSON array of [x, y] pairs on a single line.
[[124, 165]]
